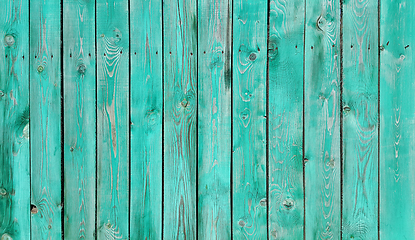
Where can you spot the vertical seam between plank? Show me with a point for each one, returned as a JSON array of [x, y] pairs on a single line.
[[30, 139], [96, 125], [162, 116], [379, 6], [341, 119], [267, 120], [197, 121], [231, 83], [62, 128], [129, 117], [303, 118]]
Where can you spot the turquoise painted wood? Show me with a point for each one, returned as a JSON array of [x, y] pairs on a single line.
[[322, 169], [113, 120], [180, 119], [14, 121], [249, 170], [286, 54], [214, 118], [79, 118], [397, 115], [206, 119], [45, 119], [146, 119], [360, 120]]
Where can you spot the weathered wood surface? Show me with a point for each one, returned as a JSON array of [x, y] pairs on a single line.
[[360, 119], [113, 119], [285, 52], [214, 118], [14, 121], [45, 119], [249, 195], [180, 118], [397, 120], [146, 119], [322, 120], [79, 118]]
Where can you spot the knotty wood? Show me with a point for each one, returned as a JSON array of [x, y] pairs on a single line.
[[360, 119], [214, 121], [286, 35], [14, 121], [45, 120], [146, 119], [249, 119], [180, 121], [397, 115], [79, 118], [322, 120], [112, 119]]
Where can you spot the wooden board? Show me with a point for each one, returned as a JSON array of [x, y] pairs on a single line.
[[113, 119], [322, 120], [14, 121], [45, 120], [397, 115], [214, 118], [249, 220], [180, 119], [79, 118], [360, 119], [146, 119], [286, 52]]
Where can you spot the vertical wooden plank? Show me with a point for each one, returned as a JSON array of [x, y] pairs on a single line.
[[14, 121], [79, 118], [146, 119], [360, 119], [180, 110], [397, 115], [249, 119], [322, 120], [45, 112], [112, 119], [214, 121], [286, 53]]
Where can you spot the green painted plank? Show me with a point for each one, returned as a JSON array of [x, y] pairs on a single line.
[[360, 119], [146, 119], [286, 53], [79, 118], [112, 119], [322, 120], [14, 121], [45, 119], [397, 115], [249, 119], [180, 110], [214, 118]]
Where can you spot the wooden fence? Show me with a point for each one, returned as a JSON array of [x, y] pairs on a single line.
[[207, 119]]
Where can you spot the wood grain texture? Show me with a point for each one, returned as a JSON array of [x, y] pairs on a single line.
[[79, 118], [214, 121], [397, 120], [45, 119], [249, 119], [14, 121], [146, 119], [322, 120], [112, 119], [360, 119], [180, 120], [286, 35]]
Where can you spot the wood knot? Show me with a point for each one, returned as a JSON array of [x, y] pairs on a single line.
[[33, 209], [252, 56], [71, 149], [40, 69], [346, 108], [241, 223], [305, 160], [82, 68], [263, 202], [3, 192], [6, 237], [381, 48], [184, 102], [288, 203], [1, 94], [9, 40]]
